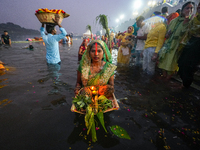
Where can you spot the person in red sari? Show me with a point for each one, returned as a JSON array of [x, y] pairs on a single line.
[[82, 49]]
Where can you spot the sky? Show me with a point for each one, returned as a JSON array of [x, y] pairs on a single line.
[[82, 12]]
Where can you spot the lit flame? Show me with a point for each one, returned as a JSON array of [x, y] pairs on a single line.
[[92, 88], [94, 92]]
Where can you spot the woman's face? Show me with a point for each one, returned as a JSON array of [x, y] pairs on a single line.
[[187, 11], [96, 53], [130, 29], [85, 42]]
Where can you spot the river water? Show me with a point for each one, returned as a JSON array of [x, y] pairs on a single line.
[[35, 104]]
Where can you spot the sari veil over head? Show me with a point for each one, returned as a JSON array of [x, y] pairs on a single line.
[[85, 64]]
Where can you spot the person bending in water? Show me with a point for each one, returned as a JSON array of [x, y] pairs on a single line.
[[51, 41], [5, 38]]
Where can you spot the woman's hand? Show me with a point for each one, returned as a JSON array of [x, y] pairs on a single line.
[[188, 18], [76, 91], [56, 20], [154, 57], [106, 90]]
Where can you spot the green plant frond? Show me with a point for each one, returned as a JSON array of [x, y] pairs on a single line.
[[103, 21], [88, 27]]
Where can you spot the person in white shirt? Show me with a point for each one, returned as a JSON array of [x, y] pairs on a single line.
[[140, 38]]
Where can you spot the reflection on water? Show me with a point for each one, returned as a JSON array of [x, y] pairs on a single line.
[[5, 102], [79, 133], [53, 74]]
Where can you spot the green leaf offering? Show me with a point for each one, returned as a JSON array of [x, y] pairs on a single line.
[[120, 132], [101, 119], [81, 101]]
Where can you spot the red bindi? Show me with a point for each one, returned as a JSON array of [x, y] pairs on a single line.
[[96, 48]]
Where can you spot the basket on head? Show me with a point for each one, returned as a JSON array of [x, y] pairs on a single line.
[[46, 16]]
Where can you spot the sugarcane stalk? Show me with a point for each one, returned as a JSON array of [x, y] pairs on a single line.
[[103, 21], [88, 27], [95, 104]]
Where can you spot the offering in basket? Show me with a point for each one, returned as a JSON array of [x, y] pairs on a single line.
[[46, 15], [91, 96], [90, 101]]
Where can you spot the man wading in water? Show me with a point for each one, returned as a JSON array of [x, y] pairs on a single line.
[[51, 41]]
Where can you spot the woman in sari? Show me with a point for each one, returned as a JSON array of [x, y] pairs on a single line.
[[124, 51], [169, 54], [82, 49], [96, 68], [190, 56]]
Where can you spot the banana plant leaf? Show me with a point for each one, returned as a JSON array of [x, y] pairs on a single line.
[[93, 132], [120, 132], [101, 119]]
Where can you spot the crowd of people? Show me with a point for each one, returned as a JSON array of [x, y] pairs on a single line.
[[169, 42]]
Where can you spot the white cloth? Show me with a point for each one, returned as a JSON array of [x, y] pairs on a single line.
[[149, 65], [125, 50], [69, 40], [141, 32]]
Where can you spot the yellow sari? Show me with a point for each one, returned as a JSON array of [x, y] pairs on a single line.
[[124, 52]]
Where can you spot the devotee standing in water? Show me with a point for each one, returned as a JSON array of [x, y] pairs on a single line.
[[190, 56], [135, 28], [96, 69], [51, 41], [169, 54], [140, 38], [82, 49], [5, 38], [153, 44], [124, 51]]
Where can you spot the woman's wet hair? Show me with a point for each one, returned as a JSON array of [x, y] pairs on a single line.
[[50, 28], [187, 4]]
